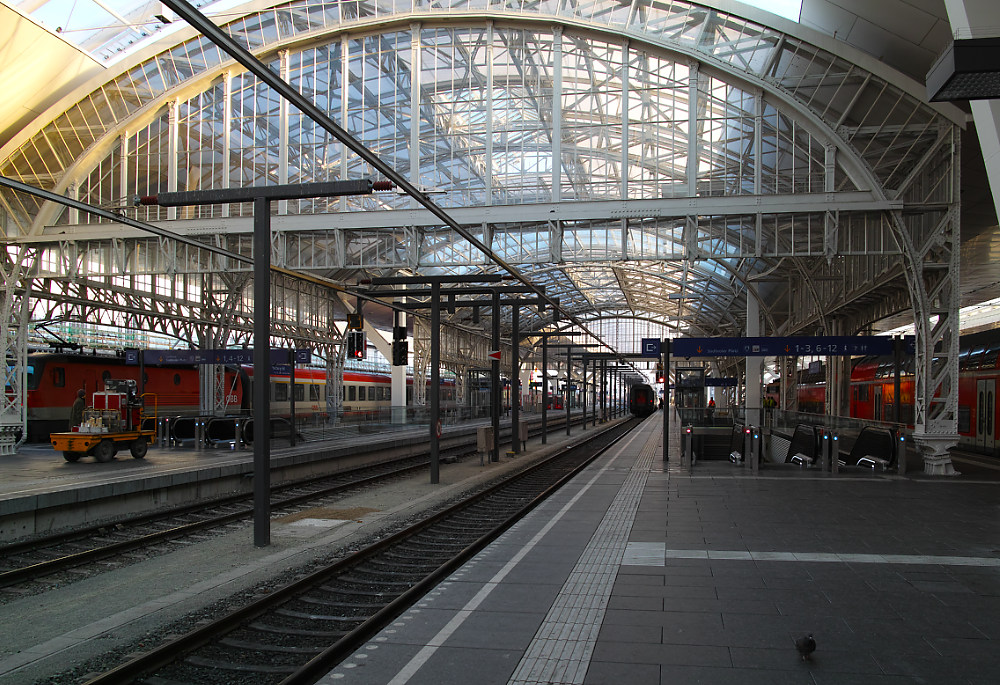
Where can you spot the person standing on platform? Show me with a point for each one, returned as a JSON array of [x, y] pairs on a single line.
[[76, 411], [711, 411]]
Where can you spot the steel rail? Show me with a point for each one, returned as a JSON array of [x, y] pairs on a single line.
[[57, 564], [148, 663]]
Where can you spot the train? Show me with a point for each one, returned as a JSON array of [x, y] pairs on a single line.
[[55, 377], [641, 400], [873, 394]]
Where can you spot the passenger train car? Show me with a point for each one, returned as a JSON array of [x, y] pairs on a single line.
[[872, 394], [641, 400], [54, 378]]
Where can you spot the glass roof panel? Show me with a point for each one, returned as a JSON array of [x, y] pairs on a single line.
[[107, 29]]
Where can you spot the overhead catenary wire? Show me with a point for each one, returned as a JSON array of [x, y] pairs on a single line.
[[243, 56]]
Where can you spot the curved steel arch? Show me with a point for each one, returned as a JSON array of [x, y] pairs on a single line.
[[870, 151]]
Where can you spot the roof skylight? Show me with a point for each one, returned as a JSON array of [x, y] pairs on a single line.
[[107, 29]]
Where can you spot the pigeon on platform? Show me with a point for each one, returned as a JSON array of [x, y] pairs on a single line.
[[806, 646]]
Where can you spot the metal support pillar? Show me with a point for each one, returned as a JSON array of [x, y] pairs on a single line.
[[515, 379], [545, 388], [665, 351], [291, 397], [569, 381], [604, 391], [687, 448], [495, 380], [262, 372], [435, 427]]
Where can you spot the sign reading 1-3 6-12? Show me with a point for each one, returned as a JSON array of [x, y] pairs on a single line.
[[828, 345]]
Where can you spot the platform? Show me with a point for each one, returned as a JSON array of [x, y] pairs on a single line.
[[40, 492], [643, 574]]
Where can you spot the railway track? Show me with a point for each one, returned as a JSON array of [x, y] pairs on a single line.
[[100, 548], [299, 632]]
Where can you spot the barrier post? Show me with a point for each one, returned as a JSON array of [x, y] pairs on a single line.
[[900, 452], [834, 453], [688, 447], [754, 450], [824, 451], [747, 432]]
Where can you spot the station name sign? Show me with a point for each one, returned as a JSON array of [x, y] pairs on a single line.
[[831, 346]]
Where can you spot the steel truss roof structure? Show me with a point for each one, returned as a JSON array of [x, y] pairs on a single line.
[[643, 161]]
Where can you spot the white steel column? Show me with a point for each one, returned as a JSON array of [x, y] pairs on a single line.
[[283, 70], [345, 91], [398, 381], [557, 114], [755, 365], [692, 154], [173, 145], [625, 117], [415, 108], [227, 134], [488, 166]]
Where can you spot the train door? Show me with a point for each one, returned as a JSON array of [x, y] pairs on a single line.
[[986, 393], [877, 406]]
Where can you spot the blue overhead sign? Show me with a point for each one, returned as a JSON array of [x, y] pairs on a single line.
[[650, 347], [830, 345], [720, 382], [230, 357]]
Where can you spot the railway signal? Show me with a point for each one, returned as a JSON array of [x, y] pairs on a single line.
[[400, 352], [356, 345]]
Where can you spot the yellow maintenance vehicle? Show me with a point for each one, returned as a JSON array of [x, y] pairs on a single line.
[[113, 422]]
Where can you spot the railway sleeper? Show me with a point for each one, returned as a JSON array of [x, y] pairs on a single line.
[[348, 600], [382, 583], [348, 592], [217, 664], [300, 632], [336, 603], [269, 647], [349, 620], [382, 565]]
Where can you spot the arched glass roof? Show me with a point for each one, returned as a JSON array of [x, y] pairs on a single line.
[[642, 161]]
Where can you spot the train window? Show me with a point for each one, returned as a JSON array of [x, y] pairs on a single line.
[[280, 392], [177, 379], [300, 392], [32, 378], [963, 359], [145, 378], [371, 393], [379, 394], [351, 393], [409, 395], [106, 376], [58, 377], [992, 357], [314, 393]]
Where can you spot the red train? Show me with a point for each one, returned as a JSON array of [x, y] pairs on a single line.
[[872, 394], [54, 378]]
